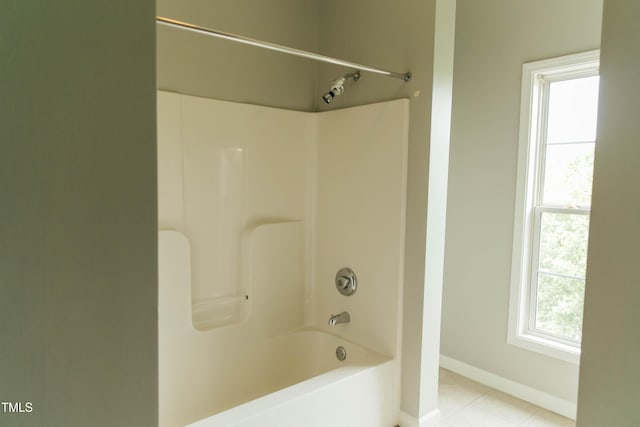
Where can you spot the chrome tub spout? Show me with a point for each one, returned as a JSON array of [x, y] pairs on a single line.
[[339, 318]]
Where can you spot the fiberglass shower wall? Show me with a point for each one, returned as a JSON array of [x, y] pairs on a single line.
[[331, 185], [225, 169]]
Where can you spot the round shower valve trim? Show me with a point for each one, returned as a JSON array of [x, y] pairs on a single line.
[[346, 282]]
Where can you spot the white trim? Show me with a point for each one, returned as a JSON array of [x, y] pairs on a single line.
[[530, 152], [432, 419], [521, 391], [546, 347]]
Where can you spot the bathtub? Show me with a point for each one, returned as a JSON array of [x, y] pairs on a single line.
[[265, 371], [302, 383], [249, 247]]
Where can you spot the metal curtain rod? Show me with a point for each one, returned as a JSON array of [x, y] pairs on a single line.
[[278, 48]]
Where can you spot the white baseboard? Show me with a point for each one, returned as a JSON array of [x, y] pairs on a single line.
[[521, 391], [432, 419]]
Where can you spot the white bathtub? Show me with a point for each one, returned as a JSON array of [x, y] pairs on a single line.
[[304, 384], [266, 371], [250, 244]]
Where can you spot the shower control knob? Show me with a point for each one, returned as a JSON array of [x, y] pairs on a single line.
[[346, 282], [343, 282]]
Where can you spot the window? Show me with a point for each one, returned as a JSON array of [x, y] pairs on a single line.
[[555, 170]]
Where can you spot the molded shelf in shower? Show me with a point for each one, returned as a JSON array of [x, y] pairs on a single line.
[[208, 313]]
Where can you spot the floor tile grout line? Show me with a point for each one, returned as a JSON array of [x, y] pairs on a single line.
[[469, 403]]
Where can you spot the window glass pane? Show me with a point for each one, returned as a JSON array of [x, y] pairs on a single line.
[[563, 243], [568, 174], [559, 306], [573, 110]]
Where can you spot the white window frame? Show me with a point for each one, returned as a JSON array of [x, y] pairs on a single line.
[[535, 78]]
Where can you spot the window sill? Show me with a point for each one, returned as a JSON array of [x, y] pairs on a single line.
[[547, 347]]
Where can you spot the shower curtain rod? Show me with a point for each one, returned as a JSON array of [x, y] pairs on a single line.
[[278, 48]]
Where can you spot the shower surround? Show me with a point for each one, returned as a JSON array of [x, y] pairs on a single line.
[[258, 210]]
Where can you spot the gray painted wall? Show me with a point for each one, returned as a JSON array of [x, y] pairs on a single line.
[[609, 372], [493, 39], [197, 65], [78, 269]]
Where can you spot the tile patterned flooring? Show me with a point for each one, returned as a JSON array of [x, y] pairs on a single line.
[[466, 403]]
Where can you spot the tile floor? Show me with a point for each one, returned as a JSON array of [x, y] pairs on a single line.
[[466, 403]]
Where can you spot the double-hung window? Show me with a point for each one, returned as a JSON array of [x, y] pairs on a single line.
[[555, 169]]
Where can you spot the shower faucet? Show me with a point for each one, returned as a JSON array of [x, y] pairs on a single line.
[[339, 318]]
